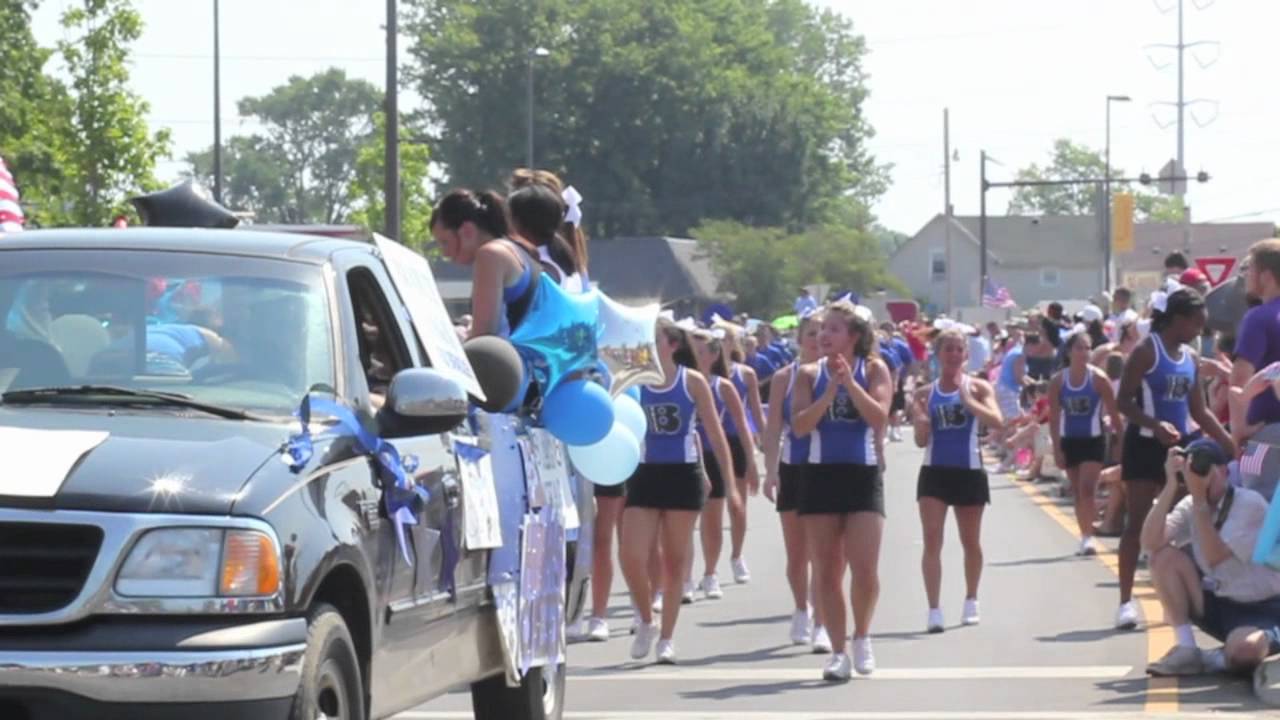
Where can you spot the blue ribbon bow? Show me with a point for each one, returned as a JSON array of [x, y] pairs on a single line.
[[404, 499]]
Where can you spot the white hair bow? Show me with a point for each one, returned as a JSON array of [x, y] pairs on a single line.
[[573, 205], [667, 315], [718, 333], [687, 324], [863, 313], [1159, 300]]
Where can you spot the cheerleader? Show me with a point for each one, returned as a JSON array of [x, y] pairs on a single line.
[[785, 467], [747, 385], [946, 417], [707, 348], [1159, 396], [1077, 394], [668, 489], [842, 401]]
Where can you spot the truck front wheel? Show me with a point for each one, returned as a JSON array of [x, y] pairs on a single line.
[[331, 688], [539, 697]]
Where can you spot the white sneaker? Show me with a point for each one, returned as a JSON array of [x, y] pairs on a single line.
[[864, 660], [635, 621], [1087, 546], [936, 624], [895, 434], [710, 587], [837, 669], [1127, 616], [740, 572], [598, 630], [971, 615], [643, 644], [821, 641], [666, 653], [800, 631], [687, 597], [657, 602]]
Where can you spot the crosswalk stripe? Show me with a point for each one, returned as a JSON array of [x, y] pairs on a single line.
[[1051, 672], [848, 715]]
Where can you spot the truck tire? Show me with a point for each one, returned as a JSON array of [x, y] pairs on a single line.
[[539, 697], [331, 688]]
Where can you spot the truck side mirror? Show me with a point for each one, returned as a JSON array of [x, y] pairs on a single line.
[[424, 401]]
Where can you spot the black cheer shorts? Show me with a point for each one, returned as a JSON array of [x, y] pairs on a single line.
[[1142, 458], [666, 487], [957, 487], [1078, 451], [790, 480], [739, 454], [610, 491], [841, 489], [712, 466]]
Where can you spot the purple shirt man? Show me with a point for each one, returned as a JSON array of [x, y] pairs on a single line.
[[1259, 344]]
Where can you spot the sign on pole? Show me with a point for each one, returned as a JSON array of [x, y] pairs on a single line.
[[1122, 222], [1217, 269]]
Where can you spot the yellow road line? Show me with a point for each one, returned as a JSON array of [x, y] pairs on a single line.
[[1162, 692]]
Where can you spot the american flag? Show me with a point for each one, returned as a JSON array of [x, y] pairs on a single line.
[[997, 296], [1251, 463], [11, 217]]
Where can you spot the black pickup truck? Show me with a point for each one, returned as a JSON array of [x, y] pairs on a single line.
[[161, 556]]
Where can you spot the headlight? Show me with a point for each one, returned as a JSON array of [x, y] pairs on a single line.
[[200, 562]]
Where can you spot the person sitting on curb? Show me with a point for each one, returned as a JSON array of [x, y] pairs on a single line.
[[1214, 586]]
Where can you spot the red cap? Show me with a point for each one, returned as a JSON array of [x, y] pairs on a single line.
[[1193, 277]]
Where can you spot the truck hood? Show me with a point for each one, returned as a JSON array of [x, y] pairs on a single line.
[[150, 461]]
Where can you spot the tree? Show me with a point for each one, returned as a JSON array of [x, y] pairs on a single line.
[[300, 168], [664, 112], [366, 191], [107, 152], [1072, 161], [34, 109], [763, 266]]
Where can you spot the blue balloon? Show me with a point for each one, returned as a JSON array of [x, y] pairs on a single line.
[[557, 336], [578, 412], [634, 392], [629, 413], [610, 461]]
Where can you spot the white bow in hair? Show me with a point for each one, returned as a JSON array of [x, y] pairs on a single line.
[[1159, 300], [718, 333], [863, 312], [687, 324], [573, 205], [667, 315]]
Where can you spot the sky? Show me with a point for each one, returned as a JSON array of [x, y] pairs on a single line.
[[1015, 74]]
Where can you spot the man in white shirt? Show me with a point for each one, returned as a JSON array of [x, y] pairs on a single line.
[[979, 352], [1215, 585]]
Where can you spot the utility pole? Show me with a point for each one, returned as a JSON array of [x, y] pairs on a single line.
[[391, 183], [982, 226], [1181, 188], [946, 208], [217, 108]]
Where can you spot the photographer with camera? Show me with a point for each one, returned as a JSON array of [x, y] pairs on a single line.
[[1214, 586]]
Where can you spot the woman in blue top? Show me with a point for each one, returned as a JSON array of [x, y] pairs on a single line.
[[786, 458], [841, 402], [707, 346], [668, 489], [946, 416], [471, 229], [747, 385], [1159, 394], [1078, 394]]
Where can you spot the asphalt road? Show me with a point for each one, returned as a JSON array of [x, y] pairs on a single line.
[[1045, 648]]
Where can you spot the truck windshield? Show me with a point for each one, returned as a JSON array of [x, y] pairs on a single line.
[[240, 332]]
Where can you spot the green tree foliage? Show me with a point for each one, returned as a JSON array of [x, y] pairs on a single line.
[[1073, 161], [366, 191], [34, 110], [663, 112], [300, 168], [763, 266], [107, 151]]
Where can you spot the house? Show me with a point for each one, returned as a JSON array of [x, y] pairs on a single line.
[[631, 270], [1047, 258]]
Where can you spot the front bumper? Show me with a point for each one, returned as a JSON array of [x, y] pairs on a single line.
[[162, 665]]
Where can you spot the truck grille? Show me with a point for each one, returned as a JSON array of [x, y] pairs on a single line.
[[43, 566]]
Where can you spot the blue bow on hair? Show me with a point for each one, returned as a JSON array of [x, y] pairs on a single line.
[[405, 500]]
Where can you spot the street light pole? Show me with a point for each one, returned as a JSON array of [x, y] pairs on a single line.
[[217, 108], [535, 53], [1107, 271], [982, 226]]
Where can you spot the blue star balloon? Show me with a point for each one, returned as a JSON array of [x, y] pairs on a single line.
[[557, 336]]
